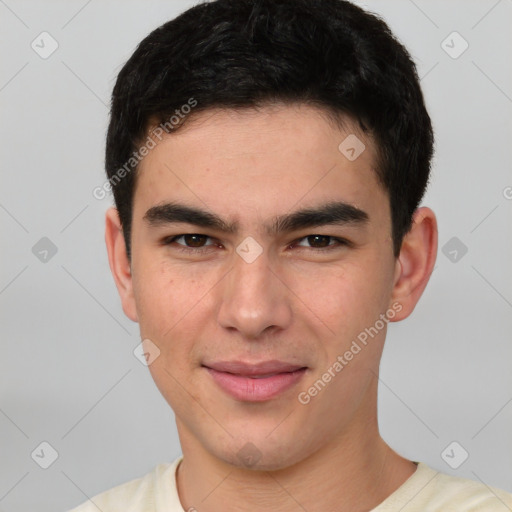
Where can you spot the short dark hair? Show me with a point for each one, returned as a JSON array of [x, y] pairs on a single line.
[[250, 53]]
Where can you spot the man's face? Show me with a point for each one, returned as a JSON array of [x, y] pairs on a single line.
[[248, 319]]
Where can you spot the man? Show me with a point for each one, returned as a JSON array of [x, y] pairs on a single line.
[[267, 159]]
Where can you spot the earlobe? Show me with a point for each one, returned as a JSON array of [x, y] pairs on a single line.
[[119, 263], [415, 262]]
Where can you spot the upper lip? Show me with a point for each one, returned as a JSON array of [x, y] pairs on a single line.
[[252, 369]]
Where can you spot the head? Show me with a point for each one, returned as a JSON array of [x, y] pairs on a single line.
[[291, 138]]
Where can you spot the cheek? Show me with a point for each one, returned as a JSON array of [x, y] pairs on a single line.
[[170, 308], [174, 304], [164, 296], [154, 295], [345, 299]]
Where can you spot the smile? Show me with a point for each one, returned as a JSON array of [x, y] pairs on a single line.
[[255, 383]]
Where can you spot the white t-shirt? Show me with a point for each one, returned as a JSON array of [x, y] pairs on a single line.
[[426, 490]]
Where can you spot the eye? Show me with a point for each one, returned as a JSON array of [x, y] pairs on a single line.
[[319, 242], [190, 241]]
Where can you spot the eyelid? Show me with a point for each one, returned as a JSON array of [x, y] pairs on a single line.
[[172, 239], [340, 242]]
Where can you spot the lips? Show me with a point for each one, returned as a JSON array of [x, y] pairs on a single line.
[[255, 382], [253, 370]]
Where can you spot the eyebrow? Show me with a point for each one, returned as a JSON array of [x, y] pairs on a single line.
[[334, 212]]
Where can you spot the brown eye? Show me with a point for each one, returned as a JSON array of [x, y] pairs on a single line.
[[195, 240], [189, 240], [316, 241], [319, 241]]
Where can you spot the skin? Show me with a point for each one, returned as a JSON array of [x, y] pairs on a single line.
[[293, 303]]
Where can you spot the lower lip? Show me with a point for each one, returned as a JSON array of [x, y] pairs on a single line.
[[247, 389]]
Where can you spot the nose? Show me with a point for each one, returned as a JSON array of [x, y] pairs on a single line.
[[255, 300]]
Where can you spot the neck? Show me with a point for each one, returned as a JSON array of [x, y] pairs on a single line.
[[355, 471]]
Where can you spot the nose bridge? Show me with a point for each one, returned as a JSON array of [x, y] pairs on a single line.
[[253, 297]]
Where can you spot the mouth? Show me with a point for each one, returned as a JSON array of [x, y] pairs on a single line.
[[255, 382]]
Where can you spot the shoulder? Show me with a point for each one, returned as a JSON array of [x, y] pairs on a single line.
[[435, 491], [138, 495], [469, 495]]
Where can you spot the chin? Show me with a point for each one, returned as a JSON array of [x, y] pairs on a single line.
[[260, 453]]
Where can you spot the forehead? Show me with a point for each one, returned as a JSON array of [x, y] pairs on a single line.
[[261, 162]]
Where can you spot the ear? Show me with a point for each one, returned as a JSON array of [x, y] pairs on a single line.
[[119, 263], [415, 262]]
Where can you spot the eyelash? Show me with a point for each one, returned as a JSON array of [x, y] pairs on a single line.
[[196, 250], [340, 242]]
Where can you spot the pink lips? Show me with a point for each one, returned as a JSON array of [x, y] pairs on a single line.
[[254, 382]]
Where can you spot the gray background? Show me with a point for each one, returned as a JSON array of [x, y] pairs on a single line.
[[68, 375]]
